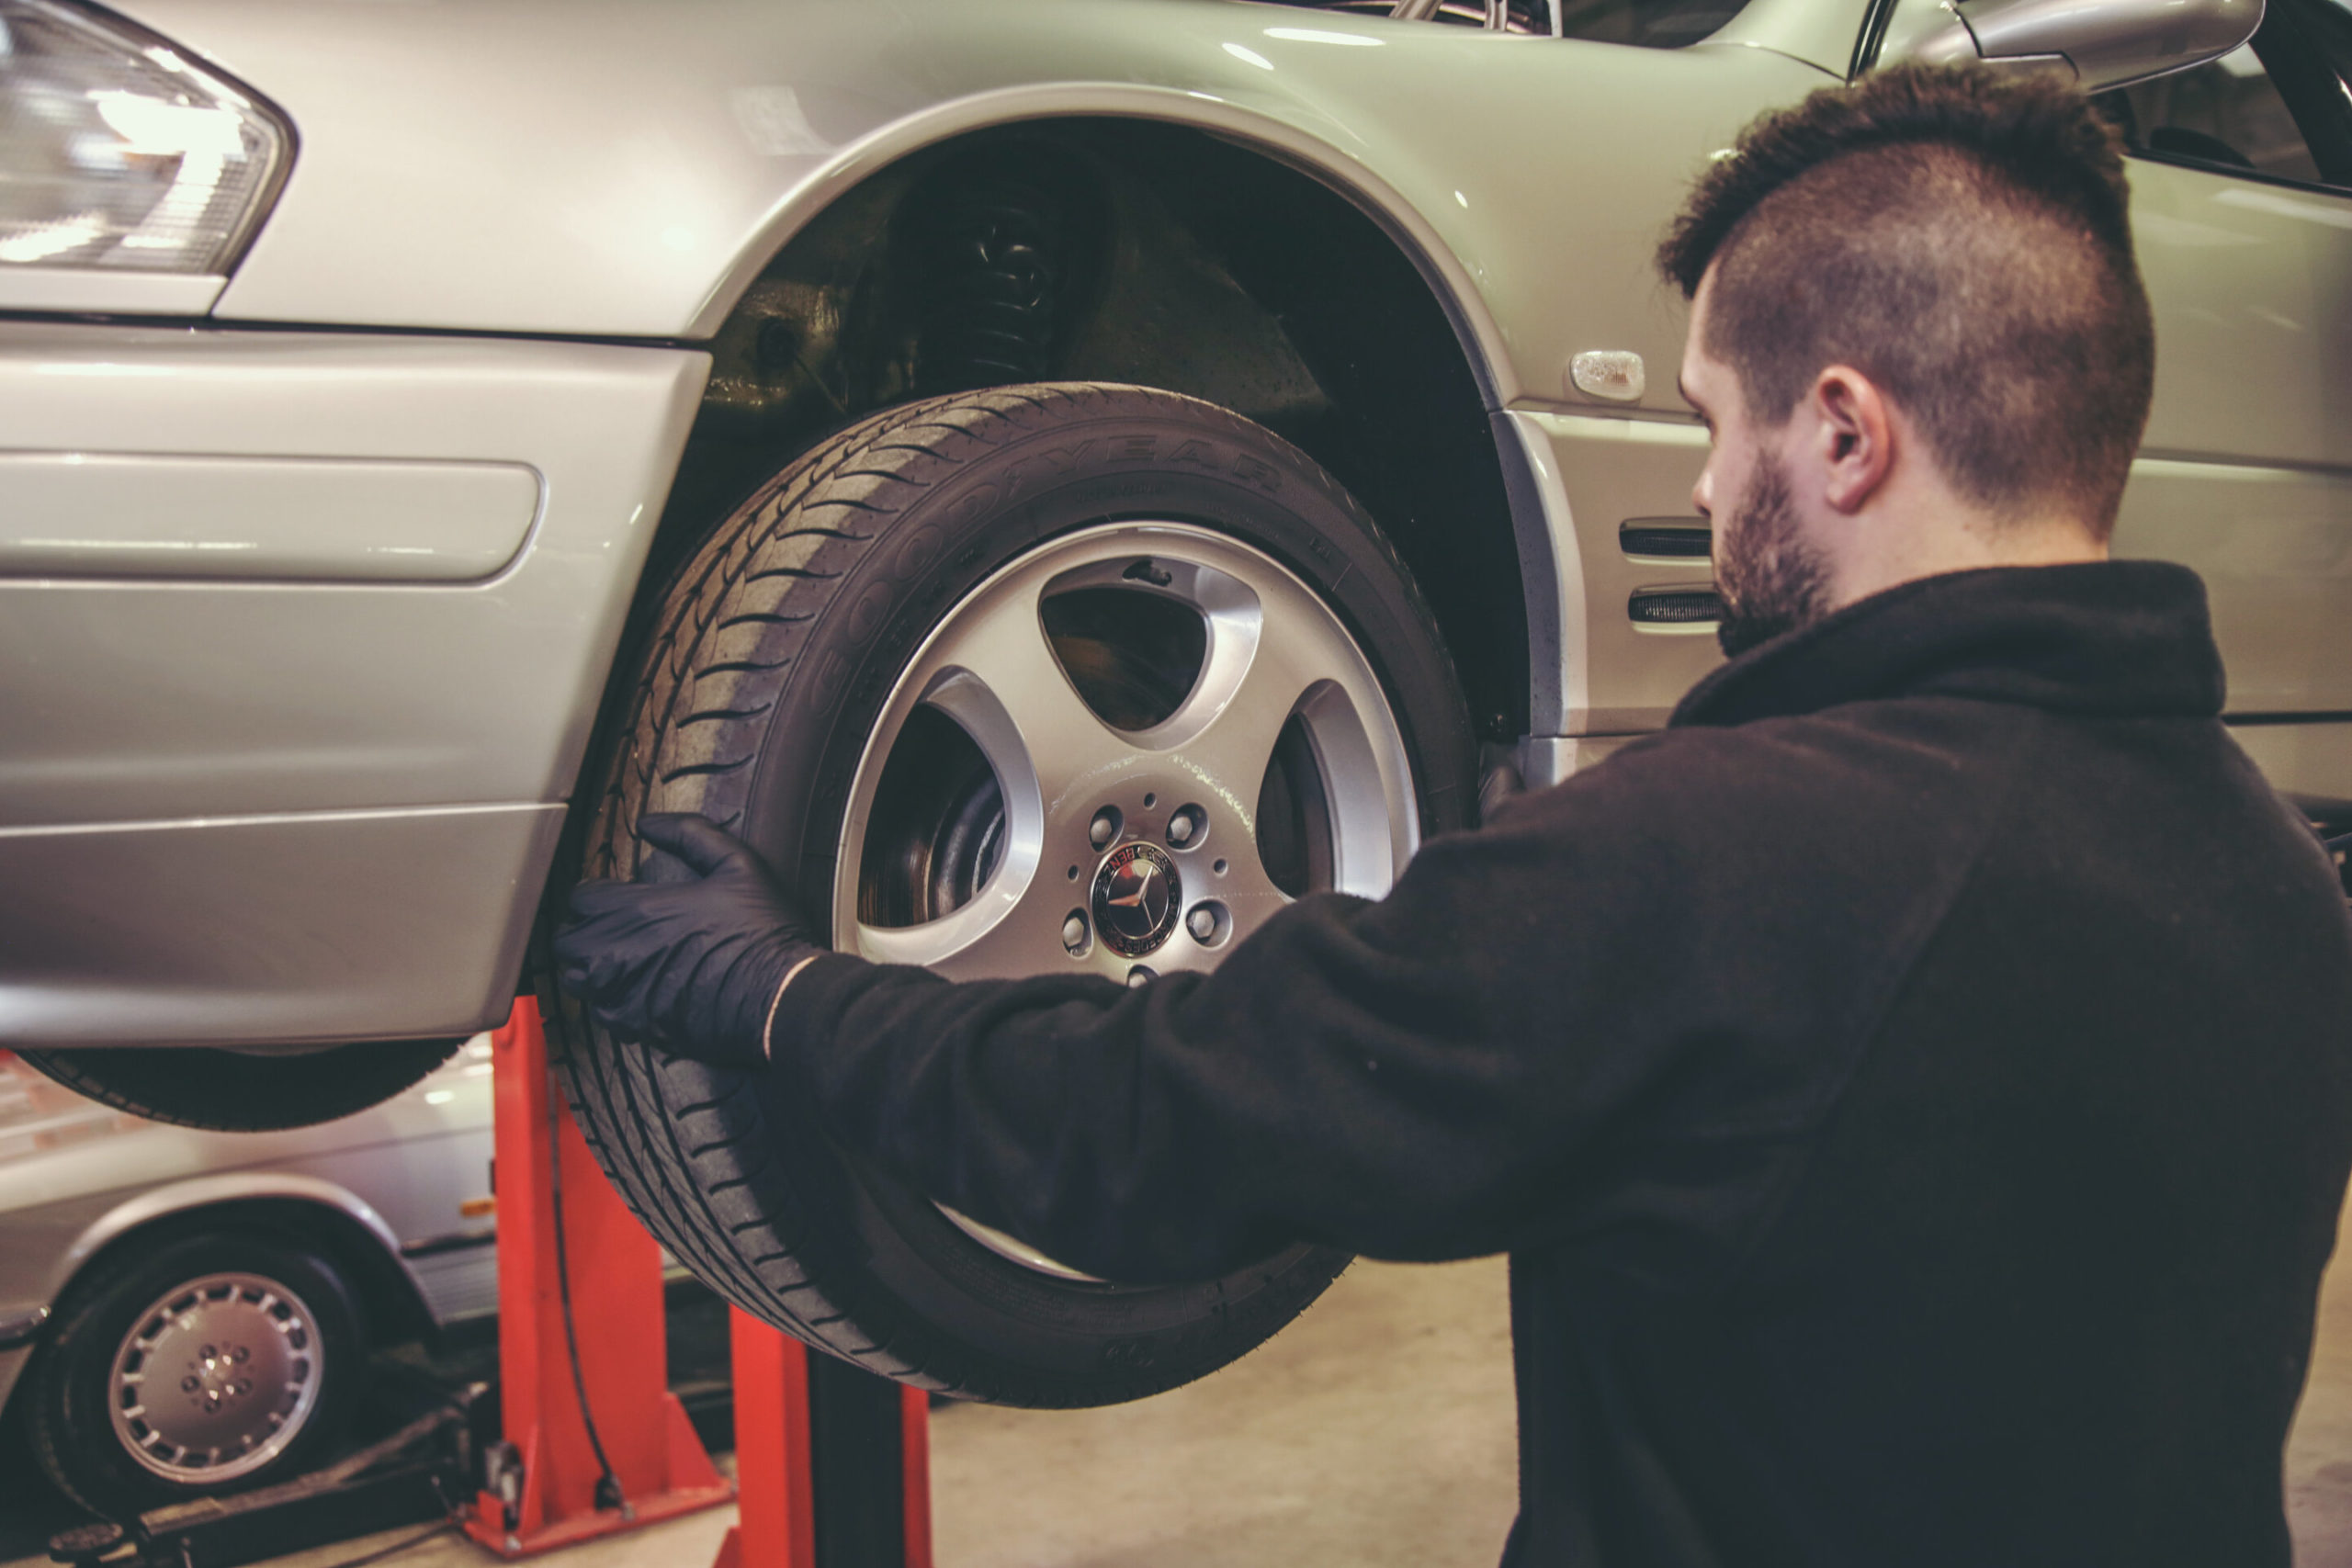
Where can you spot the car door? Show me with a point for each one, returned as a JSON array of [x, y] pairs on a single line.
[[1563, 176], [2241, 173], [2241, 208]]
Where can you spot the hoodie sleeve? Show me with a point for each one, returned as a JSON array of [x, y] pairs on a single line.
[[1609, 1019]]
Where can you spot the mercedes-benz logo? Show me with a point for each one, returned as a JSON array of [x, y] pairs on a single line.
[[1137, 896]]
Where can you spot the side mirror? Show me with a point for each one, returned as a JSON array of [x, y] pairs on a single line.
[[2103, 43]]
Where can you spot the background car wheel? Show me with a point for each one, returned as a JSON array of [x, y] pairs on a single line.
[[234, 1091], [222, 1361], [950, 672]]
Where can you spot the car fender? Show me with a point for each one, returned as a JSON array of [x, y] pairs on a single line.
[[211, 1192], [29, 1298], [534, 167], [1309, 150], [537, 166]]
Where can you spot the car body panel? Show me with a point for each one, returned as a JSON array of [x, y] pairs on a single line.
[[412, 1174], [271, 810], [298, 926], [2312, 760], [654, 195], [2245, 474], [108, 291], [2246, 470], [1609, 470], [163, 698], [581, 171], [159, 514], [320, 806]]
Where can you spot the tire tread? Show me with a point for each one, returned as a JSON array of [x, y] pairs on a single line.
[[728, 641]]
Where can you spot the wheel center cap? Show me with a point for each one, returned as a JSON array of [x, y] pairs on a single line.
[[1138, 897]]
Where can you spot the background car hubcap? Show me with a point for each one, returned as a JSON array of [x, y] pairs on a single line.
[[216, 1378], [1139, 740]]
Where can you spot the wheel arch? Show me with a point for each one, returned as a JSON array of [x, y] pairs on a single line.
[[336, 1223], [1449, 281], [1509, 608]]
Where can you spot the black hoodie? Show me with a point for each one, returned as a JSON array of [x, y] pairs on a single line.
[[1916, 1091]]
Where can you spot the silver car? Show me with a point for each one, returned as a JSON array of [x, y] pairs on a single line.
[[184, 1310], [1063, 477]]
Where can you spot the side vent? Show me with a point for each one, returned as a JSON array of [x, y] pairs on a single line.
[[1666, 538], [1675, 609]]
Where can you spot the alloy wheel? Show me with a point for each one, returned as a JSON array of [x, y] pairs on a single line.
[[1125, 750]]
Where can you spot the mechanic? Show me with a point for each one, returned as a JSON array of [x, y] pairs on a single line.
[[1915, 1089]]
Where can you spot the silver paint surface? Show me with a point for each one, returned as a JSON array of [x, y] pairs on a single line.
[[2111, 44], [601, 168], [303, 519], [240, 809], [77, 1177]]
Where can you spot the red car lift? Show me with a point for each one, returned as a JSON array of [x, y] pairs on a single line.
[[832, 1464]]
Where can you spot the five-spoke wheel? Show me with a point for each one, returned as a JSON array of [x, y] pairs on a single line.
[[1154, 694], [1057, 680]]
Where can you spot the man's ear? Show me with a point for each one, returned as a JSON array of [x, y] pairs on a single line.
[[1853, 436]]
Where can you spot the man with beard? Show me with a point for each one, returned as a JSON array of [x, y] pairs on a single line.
[[1913, 1088]]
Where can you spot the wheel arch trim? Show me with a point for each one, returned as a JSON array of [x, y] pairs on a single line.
[[1457, 295], [225, 1190], [1550, 568]]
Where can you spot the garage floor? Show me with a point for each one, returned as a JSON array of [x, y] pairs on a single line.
[[1376, 1431]]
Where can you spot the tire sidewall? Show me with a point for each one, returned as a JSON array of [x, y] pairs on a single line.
[[1232, 479], [229, 1091], [1236, 480], [901, 1288], [74, 1433]]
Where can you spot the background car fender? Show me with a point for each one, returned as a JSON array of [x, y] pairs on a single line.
[[106, 1218]]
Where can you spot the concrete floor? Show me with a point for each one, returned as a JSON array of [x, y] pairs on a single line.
[[1376, 1431], [2319, 1453]]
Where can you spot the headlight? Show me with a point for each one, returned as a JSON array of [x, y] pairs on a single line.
[[117, 151]]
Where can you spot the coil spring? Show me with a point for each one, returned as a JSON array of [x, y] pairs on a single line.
[[997, 268]]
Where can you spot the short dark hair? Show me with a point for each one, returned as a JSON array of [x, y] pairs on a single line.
[[1961, 237]]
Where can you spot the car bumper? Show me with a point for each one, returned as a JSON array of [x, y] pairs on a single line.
[[301, 637]]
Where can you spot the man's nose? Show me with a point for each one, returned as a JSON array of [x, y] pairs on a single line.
[[1701, 493]]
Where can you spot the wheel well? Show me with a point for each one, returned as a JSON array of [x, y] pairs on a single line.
[[381, 1293], [1127, 250]]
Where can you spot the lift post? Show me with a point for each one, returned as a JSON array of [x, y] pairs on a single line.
[[555, 1218], [832, 1463], [874, 1504]]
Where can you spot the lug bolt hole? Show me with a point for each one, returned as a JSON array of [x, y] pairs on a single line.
[[1078, 936], [1105, 826], [1210, 923], [1187, 827], [1141, 976]]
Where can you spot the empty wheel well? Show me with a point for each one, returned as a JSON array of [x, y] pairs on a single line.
[[1122, 250]]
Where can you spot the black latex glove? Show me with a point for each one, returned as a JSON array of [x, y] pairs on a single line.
[[689, 966]]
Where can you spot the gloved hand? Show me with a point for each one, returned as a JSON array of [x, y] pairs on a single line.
[[692, 967]]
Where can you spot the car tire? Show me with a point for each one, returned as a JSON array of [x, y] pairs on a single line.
[[218, 1362], [236, 1091], [795, 661]]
